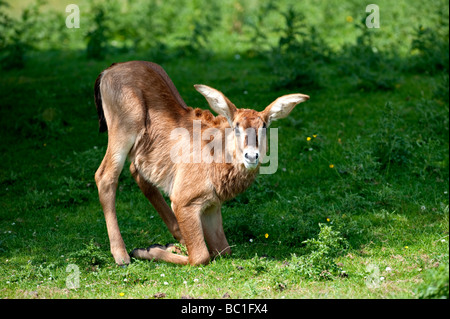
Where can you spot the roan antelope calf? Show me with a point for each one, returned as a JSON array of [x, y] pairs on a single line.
[[140, 107]]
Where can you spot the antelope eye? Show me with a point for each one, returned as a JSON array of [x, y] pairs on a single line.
[[264, 125]]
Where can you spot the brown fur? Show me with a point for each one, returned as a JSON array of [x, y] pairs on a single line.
[[140, 106]]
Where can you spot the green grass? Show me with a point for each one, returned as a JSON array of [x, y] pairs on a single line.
[[385, 195]]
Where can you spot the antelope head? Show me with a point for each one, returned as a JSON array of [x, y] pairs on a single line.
[[249, 126]]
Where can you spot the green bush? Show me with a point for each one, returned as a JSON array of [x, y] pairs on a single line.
[[12, 40], [91, 255], [197, 42], [435, 285], [431, 50], [319, 262], [97, 37], [299, 54], [368, 67]]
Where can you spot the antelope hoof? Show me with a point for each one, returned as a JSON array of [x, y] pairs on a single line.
[[122, 260]]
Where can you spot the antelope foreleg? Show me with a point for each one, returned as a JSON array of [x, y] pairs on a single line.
[[213, 232]]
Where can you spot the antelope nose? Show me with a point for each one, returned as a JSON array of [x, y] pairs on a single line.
[[251, 157]]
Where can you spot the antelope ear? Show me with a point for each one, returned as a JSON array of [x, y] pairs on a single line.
[[281, 107], [218, 102]]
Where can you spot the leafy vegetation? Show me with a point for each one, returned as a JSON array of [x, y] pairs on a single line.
[[358, 207], [435, 284]]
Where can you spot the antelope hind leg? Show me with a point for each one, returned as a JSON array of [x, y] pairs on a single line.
[[106, 178], [158, 252]]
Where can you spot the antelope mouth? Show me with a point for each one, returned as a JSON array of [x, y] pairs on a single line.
[[251, 165]]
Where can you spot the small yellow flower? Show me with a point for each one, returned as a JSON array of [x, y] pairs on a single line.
[[331, 165], [266, 235], [122, 294], [315, 135], [328, 220], [308, 138], [349, 19], [406, 247]]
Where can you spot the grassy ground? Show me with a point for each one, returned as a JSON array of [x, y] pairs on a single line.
[[362, 178]]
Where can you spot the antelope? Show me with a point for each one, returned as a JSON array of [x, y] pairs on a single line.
[[139, 106]]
